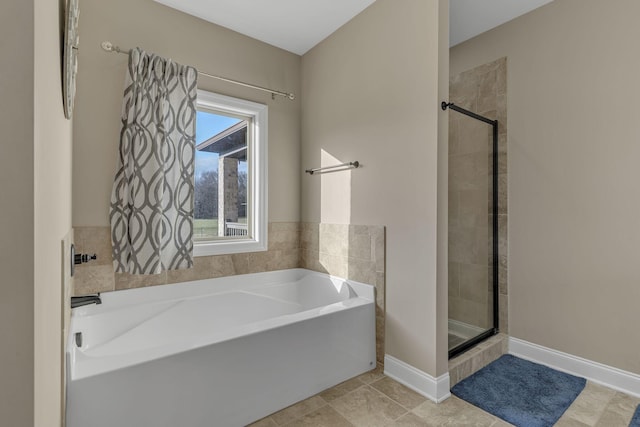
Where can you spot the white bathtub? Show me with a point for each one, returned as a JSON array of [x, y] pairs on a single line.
[[218, 352]]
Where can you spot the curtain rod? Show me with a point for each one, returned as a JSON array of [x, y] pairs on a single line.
[[110, 47]]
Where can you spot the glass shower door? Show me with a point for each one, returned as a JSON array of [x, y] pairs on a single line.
[[472, 253]]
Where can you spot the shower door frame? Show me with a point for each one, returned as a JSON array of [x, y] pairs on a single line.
[[495, 259]]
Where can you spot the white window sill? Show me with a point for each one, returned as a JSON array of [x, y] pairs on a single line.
[[227, 247]]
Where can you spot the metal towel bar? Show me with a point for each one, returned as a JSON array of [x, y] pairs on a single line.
[[349, 165]]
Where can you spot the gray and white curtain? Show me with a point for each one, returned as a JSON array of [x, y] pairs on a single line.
[[151, 210]]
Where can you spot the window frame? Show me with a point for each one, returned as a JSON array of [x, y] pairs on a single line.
[[257, 162]]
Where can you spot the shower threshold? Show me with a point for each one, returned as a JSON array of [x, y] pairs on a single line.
[[459, 332]]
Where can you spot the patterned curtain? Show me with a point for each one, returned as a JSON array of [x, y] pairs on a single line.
[[151, 210]]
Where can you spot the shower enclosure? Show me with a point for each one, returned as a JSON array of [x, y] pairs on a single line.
[[473, 228]]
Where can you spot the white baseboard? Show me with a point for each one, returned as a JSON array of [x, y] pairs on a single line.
[[614, 378], [435, 389]]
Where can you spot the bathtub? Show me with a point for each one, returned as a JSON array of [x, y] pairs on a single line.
[[217, 352]]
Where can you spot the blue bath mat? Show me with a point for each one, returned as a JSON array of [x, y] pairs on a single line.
[[523, 393], [635, 421]]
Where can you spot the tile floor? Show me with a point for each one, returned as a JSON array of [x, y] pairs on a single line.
[[373, 399]]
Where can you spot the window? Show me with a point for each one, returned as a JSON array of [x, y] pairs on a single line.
[[230, 204]]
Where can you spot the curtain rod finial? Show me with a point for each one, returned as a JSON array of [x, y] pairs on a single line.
[[107, 45]]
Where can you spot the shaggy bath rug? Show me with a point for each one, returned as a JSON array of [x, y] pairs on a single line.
[[635, 421], [523, 393]]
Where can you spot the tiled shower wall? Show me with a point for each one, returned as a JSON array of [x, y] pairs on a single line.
[[483, 91], [355, 252]]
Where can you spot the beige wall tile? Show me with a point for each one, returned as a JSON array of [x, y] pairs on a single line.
[[469, 183], [454, 123], [501, 77], [359, 245], [379, 248], [310, 259], [94, 240], [468, 245], [361, 271], [130, 281], [473, 135], [487, 91], [454, 279], [454, 208], [501, 103], [380, 289], [467, 311], [309, 236], [502, 194], [335, 265], [89, 279], [473, 282], [240, 263], [222, 265], [468, 172], [503, 313], [284, 235], [339, 229], [463, 91], [334, 243], [472, 207], [202, 269]]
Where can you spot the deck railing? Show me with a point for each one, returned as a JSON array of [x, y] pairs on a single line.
[[235, 229]]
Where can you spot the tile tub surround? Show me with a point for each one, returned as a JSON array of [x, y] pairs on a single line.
[[481, 90], [98, 275], [355, 252]]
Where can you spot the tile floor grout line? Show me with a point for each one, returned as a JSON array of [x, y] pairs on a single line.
[[389, 397], [395, 401]]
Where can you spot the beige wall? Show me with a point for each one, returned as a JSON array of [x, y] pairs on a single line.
[[213, 49], [16, 215], [35, 169], [573, 174], [370, 93], [52, 195], [441, 324]]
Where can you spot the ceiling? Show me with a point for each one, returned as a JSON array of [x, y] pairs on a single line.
[[468, 18], [293, 25], [298, 25]]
